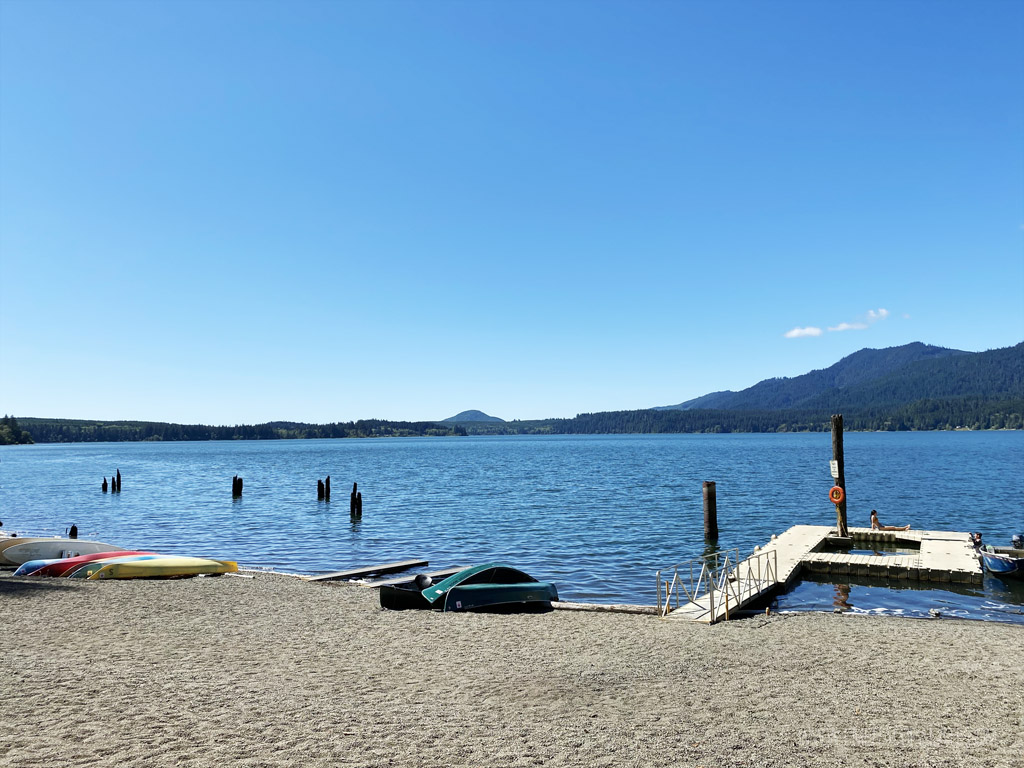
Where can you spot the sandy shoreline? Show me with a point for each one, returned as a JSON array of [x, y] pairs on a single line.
[[274, 671]]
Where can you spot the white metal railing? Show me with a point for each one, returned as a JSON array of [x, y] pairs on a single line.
[[719, 582]]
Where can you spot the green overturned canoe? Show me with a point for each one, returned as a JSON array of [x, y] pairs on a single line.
[[470, 597], [484, 586]]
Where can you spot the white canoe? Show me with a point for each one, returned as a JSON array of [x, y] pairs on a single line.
[[51, 549], [15, 541]]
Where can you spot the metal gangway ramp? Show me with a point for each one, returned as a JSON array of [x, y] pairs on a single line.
[[707, 589]]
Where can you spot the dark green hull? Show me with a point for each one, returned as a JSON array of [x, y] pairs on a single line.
[[473, 597], [482, 587]]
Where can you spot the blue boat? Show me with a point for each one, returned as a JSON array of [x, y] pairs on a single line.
[[1003, 561], [491, 586]]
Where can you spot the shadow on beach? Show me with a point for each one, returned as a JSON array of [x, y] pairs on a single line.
[[20, 587]]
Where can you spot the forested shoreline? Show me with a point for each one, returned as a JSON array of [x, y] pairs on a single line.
[[922, 415]]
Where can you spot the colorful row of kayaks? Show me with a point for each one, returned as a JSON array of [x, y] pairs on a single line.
[[73, 559]]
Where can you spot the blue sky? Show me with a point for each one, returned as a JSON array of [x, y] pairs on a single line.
[[228, 212]]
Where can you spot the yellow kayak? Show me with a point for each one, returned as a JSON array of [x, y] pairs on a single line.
[[163, 567]]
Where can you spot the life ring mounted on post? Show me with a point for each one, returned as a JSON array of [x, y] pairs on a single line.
[[836, 494]]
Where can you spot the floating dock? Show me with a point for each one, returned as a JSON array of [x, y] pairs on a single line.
[[723, 585], [940, 556]]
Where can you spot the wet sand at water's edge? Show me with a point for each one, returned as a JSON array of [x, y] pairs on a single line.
[[274, 671]]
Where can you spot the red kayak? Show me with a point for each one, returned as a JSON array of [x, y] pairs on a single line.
[[69, 563]]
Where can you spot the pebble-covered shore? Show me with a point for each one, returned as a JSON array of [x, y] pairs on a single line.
[[274, 671]]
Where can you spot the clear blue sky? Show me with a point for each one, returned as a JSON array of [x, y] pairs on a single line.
[[227, 212]]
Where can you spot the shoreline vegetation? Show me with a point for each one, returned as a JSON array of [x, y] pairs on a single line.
[[922, 415]]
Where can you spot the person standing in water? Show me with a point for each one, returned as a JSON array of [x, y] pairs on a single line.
[[877, 526]]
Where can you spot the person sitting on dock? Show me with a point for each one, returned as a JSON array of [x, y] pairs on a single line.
[[877, 526]]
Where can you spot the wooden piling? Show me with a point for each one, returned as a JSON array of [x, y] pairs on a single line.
[[840, 479], [327, 488], [104, 486], [710, 510], [352, 500], [236, 486], [119, 481], [319, 490], [359, 505]]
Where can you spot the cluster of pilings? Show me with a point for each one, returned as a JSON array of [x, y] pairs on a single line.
[[323, 493], [115, 483]]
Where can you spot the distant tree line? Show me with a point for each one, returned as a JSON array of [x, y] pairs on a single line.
[[78, 431], [11, 432], [926, 414]]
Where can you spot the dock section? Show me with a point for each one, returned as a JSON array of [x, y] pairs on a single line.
[[939, 556], [710, 589]]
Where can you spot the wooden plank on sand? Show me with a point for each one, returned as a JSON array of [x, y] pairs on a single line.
[[358, 573], [435, 575]]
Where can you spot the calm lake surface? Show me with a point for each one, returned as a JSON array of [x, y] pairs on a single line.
[[596, 514]]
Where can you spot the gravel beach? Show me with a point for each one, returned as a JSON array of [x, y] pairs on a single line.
[[274, 671]]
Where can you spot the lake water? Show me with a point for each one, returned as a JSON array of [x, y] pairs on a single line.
[[596, 514]]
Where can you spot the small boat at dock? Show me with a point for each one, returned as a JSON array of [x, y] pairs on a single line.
[[1003, 561], [482, 587]]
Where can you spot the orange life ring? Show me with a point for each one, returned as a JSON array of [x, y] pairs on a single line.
[[836, 494]]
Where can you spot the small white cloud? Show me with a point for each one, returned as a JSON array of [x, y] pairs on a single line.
[[877, 314], [797, 333], [848, 327]]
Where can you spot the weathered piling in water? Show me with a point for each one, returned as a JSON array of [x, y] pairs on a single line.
[[319, 490], [236, 486], [119, 481], [355, 502], [104, 486], [73, 531], [710, 510], [327, 488], [838, 473]]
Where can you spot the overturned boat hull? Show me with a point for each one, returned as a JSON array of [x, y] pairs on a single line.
[[491, 586]]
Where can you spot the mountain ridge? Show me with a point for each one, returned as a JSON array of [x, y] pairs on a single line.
[[880, 377]]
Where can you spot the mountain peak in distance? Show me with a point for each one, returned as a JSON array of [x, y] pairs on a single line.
[[471, 416]]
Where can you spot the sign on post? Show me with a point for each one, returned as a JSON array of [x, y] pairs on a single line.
[[834, 469]]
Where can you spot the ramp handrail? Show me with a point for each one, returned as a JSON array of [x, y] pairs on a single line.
[[722, 577]]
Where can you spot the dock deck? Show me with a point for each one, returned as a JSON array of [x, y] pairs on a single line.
[[939, 556]]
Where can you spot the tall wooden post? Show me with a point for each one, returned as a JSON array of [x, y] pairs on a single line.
[[840, 477], [710, 510], [327, 488]]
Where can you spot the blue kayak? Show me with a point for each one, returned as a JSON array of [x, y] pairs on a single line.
[[27, 569]]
